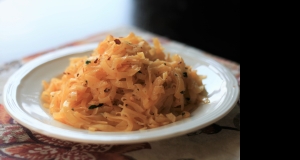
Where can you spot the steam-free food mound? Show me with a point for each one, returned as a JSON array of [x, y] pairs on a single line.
[[125, 84]]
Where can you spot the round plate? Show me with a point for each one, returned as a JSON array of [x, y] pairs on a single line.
[[22, 98]]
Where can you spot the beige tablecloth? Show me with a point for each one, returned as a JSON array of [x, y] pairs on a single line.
[[219, 141]]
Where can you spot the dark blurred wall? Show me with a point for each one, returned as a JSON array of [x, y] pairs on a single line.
[[213, 26]]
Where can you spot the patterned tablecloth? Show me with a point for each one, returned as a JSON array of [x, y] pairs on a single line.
[[219, 141]]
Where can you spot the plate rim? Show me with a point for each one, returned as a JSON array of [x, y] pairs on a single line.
[[10, 103]]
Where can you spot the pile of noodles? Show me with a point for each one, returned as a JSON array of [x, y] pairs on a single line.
[[124, 85]]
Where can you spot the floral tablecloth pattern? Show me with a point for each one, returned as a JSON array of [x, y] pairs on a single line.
[[219, 141]]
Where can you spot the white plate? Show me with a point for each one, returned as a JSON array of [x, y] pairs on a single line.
[[22, 98]]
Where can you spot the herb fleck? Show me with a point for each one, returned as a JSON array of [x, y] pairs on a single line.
[[96, 60], [185, 74], [87, 62], [96, 106], [182, 92], [117, 41], [139, 71]]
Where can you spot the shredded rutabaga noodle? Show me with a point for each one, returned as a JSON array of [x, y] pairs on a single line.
[[124, 85]]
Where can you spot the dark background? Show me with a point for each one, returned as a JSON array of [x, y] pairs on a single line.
[[212, 26]]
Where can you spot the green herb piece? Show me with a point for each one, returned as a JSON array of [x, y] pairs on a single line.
[[96, 106], [87, 62]]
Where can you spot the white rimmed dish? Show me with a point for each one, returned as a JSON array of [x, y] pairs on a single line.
[[22, 98]]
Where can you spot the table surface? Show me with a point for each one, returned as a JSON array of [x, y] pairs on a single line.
[[219, 141]]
